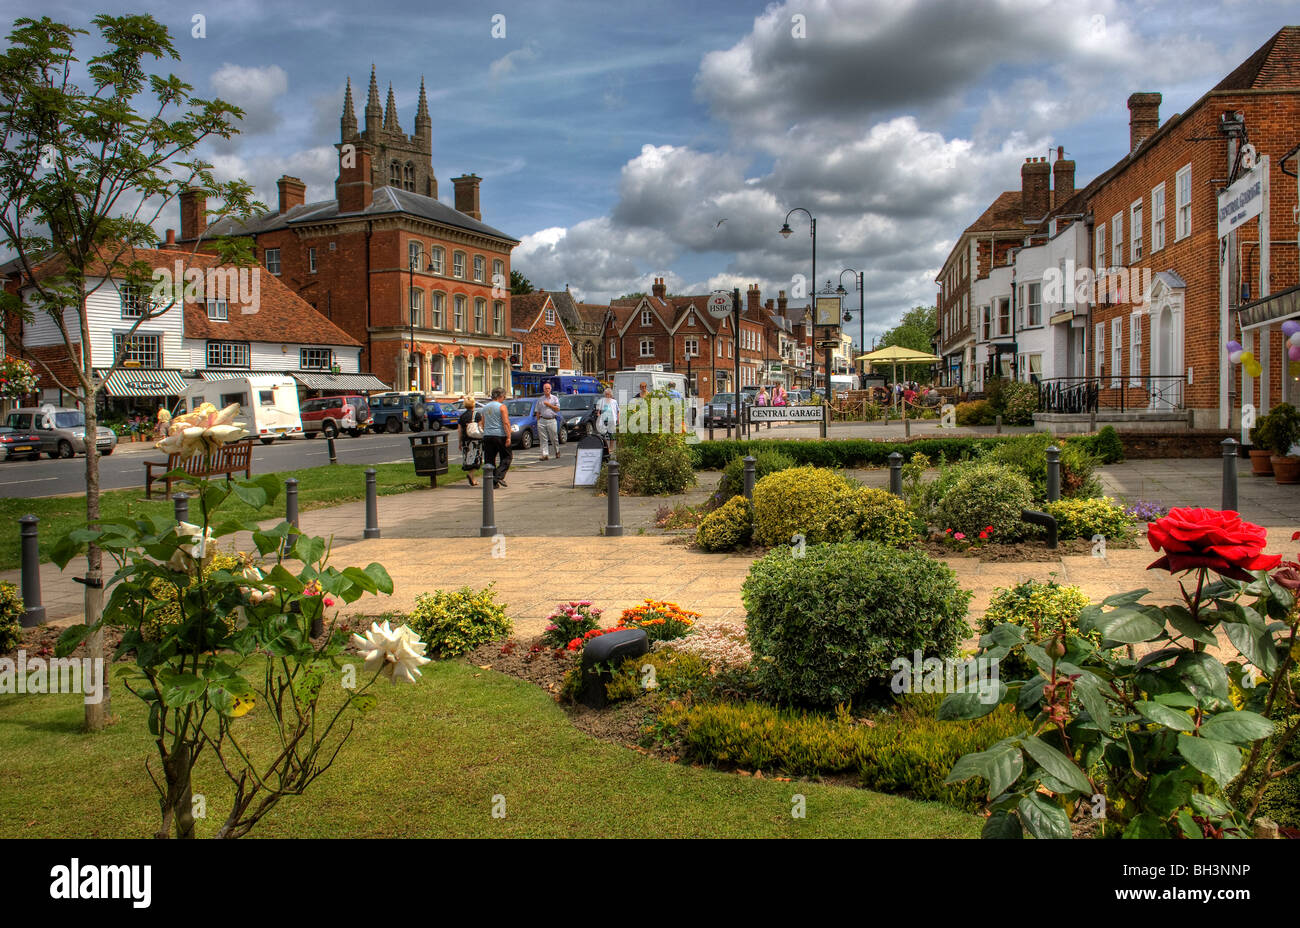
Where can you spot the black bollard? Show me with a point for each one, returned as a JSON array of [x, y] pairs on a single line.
[[181, 502], [489, 526], [749, 477], [1229, 475], [334, 458], [33, 611], [896, 474], [614, 522], [372, 506], [291, 512], [1053, 473]]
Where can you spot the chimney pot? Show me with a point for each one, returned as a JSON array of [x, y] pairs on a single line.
[[194, 213], [171, 237], [467, 195], [293, 192], [1144, 118], [1063, 176], [658, 290]]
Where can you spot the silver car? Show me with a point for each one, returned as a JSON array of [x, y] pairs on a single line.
[[62, 430]]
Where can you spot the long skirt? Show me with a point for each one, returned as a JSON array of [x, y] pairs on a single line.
[[471, 455]]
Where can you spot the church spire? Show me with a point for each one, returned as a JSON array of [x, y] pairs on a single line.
[[390, 112], [373, 110], [348, 124], [423, 124]]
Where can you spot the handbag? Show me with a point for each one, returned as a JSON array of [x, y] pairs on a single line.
[[474, 429]]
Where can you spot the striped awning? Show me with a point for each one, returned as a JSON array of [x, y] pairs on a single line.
[[322, 381], [131, 381]]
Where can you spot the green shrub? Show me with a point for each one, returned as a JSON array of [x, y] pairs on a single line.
[[975, 412], [667, 672], [11, 615], [651, 464], [1017, 402], [1084, 518], [880, 516], [1028, 455], [165, 610], [906, 750], [810, 501], [454, 622], [841, 452], [825, 626], [1050, 605], [1106, 447], [728, 527], [985, 494], [1279, 428], [733, 475]]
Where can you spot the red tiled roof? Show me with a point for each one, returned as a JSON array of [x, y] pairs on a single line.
[[1276, 63]]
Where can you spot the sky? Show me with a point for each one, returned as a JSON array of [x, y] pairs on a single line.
[[620, 142]]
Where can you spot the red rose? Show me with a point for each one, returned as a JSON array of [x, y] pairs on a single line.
[[1221, 541], [1288, 577]]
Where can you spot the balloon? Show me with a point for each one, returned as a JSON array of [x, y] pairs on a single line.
[[1235, 357], [1253, 368], [1247, 357], [1234, 345], [1295, 368], [1293, 352], [1290, 327], [1294, 339]]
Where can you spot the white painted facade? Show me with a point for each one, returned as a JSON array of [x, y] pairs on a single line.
[[271, 356]]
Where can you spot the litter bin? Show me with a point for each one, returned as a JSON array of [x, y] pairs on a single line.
[[429, 452]]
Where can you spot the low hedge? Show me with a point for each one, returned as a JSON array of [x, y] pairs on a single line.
[[841, 452]]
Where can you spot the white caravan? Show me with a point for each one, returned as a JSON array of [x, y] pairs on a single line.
[[268, 403]]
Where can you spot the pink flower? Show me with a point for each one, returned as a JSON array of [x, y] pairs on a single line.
[[329, 600], [959, 536]]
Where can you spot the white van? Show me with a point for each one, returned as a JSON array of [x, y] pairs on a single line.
[[268, 403], [627, 384]]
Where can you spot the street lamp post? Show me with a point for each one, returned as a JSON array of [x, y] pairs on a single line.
[[862, 314], [786, 231]]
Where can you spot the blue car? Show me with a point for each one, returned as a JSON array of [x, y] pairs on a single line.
[[443, 415], [523, 423]]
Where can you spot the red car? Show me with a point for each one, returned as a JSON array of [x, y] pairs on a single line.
[[19, 444], [329, 415]]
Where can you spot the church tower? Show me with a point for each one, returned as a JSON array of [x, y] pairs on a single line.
[[396, 159]]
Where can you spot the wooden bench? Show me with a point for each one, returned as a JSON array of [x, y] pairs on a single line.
[[226, 460]]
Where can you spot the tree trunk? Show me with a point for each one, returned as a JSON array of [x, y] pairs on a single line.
[[179, 804], [97, 714]]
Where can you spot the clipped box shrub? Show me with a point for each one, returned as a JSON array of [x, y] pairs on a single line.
[[809, 501], [733, 475], [728, 527], [1048, 607], [1028, 455], [452, 622], [880, 516], [985, 494], [11, 616], [825, 626], [1084, 518], [975, 412], [1018, 403], [841, 452]]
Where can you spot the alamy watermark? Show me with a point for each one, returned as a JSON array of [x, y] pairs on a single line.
[[240, 285], [946, 675], [56, 675], [1073, 285]]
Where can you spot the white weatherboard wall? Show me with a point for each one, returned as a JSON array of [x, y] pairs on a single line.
[[274, 356], [104, 314]]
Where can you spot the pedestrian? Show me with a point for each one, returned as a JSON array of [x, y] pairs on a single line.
[[496, 437], [645, 393], [607, 417], [471, 440], [760, 399], [546, 409]]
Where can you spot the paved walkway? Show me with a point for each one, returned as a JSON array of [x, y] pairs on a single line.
[[551, 548]]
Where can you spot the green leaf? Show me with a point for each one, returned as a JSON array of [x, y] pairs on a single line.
[[1218, 761], [960, 707], [1164, 715], [1240, 727], [251, 495], [71, 637], [1179, 700], [1170, 791], [308, 549], [1001, 765], [1057, 764], [361, 579], [1043, 819], [270, 541], [1093, 697], [1181, 619], [1125, 599], [180, 689], [1156, 657], [281, 577], [1031, 694], [1002, 825], [1204, 678], [1190, 828], [1127, 625], [1255, 644], [1146, 825], [379, 574]]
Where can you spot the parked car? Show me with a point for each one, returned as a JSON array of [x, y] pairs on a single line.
[[720, 411], [16, 443], [394, 412], [578, 411], [523, 424], [447, 414], [62, 430], [327, 415]]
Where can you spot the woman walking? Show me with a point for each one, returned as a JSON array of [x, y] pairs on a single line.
[[471, 440]]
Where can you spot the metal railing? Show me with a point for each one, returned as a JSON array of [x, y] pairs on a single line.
[[1164, 393]]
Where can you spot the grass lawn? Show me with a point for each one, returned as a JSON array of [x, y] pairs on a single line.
[[318, 487], [426, 763]]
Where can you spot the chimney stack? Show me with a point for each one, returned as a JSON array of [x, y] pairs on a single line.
[[1143, 119], [781, 302], [658, 289], [194, 213], [1035, 189], [1062, 176], [171, 238], [753, 299], [770, 305], [467, 195], [353, 189], [293, 192]]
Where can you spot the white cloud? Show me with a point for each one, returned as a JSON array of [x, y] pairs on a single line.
[[506, 63], [254, 90]]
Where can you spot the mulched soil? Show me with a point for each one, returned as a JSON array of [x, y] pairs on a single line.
[[1020, 551]]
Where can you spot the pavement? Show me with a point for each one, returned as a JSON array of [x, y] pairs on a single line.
[[549, 546]]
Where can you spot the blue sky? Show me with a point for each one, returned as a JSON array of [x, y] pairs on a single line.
[[612, 137]]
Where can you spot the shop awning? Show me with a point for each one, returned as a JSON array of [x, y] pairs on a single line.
[[132, 381], [360, 382], [1282, 305]]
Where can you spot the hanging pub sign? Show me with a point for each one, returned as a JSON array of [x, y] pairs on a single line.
[[1241, 202], [828, 310]]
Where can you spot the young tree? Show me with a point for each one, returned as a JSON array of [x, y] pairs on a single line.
[[519, 284], [914, 331], [87, 163]]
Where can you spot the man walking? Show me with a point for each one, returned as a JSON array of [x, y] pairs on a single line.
[[547, 408], [496, 437]]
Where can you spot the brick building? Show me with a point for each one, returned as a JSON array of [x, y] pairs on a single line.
[[422, 286], [539, 339]]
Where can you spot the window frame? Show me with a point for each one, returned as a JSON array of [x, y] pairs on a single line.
[[307, 352], [1034, 304], [480, 269], [415, 308], [311, 260], [1182, 210], [1135, 350], [138, 337], [1117, 352], [222, 308], [135, 297], [549, 352], [1135, 219], [458, 265], [437, 260], [1157, 217], [234, 353], [1098, 350], [480, 315], [647, 341], [1117, 239], [437, 309], [267, 258], [458, 312]]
